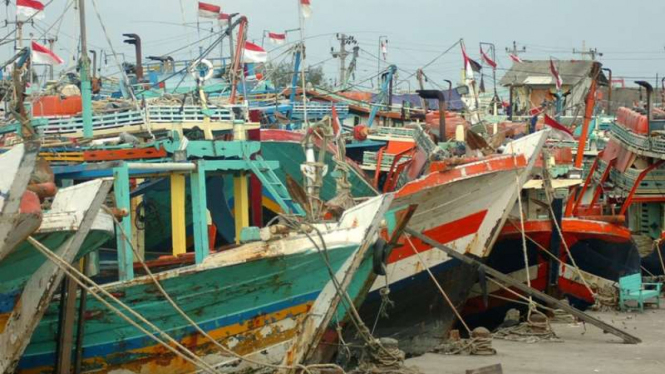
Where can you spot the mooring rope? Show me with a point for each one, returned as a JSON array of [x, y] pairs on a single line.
[[79, 277], [443, 292], [194, 324]]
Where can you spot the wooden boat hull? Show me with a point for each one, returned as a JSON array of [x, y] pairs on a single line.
[[251, 299], [603, 251], [462, 211]]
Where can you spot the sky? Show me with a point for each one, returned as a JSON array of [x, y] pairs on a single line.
[[627, 33]]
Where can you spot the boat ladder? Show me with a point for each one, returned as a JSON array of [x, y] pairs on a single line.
[[274, 186]]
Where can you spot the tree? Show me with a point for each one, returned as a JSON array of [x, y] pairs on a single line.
[[282, 73]]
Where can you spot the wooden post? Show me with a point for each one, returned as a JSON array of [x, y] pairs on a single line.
[[66, 327], [241, 202], [199, 212], [507, 280], [178, 229], [122, 202], [138, 236]]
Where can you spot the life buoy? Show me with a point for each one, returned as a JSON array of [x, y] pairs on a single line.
[[195, 71]]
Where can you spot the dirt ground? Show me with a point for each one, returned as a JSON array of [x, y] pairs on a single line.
[[581, 351]]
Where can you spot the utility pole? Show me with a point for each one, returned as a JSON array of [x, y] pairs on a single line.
[[342, 54], [592, 52], [516, 51]]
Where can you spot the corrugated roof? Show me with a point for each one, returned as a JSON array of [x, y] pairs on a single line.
[[538, 73]]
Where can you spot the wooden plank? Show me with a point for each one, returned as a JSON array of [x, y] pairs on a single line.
[[199, 212], [178, 224], [122, 202], [241, 202], [505, 279], [66, 328]]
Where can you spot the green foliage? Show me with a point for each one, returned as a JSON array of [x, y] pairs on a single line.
[[282, 73]]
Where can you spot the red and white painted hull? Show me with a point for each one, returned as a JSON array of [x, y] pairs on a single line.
[[464, 208]]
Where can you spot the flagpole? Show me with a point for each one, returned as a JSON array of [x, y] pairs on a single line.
[[301, 22]]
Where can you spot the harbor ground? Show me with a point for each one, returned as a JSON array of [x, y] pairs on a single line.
[[582, 350]]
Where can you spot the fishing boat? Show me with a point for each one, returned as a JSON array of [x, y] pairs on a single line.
[[73, 227], [252, 299]]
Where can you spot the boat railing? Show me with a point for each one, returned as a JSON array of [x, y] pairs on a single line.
[[316, 110], [640, 142], [653, 183]]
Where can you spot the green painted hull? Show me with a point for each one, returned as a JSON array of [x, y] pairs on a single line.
[[249, 306]]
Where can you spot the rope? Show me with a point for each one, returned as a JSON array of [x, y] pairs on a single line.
[[76, 276], [185, 316], [445, 295]]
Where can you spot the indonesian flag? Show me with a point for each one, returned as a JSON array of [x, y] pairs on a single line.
[[254, 53], [43, 55], [384, 49], [209, 10], [305, 8], [487, 59], [277, 39], [515, 58], [27, 9], [555, 74], [469, 65], [559, 131], [337, 129], [223, 19]]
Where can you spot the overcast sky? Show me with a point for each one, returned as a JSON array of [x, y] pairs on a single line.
[[629, 34]]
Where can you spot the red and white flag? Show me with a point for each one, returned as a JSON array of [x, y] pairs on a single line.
[[209, 10], [555, 74], [469, 65], [277, 39], [223, 19], [305, 8], [26, 9], [515, 58], [384, 49], [254, 53], [487, 59], [42, 55], [559, 131]]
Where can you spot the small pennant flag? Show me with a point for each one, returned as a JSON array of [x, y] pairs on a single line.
[[254, 53], [209, 10], [384, 49], [42, 55], [487, 59], [515, 58], [27, 9], [305, 8], [223, 19], [481, 88], [559, 131], [277, 39], [469, 65], [555, 74]]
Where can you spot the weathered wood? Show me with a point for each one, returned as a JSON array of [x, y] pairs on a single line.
[[66, 328], [324, 308], [178, 224], [627, 338], [493, 369], [43, 284]]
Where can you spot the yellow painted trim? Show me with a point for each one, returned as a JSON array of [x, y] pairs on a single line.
[[241, 202], [178, 226]]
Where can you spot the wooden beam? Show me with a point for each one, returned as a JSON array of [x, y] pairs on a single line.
[[178, 224], [66, 327], [505, 279], [122, 201], [241, 202], [199, 212]]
